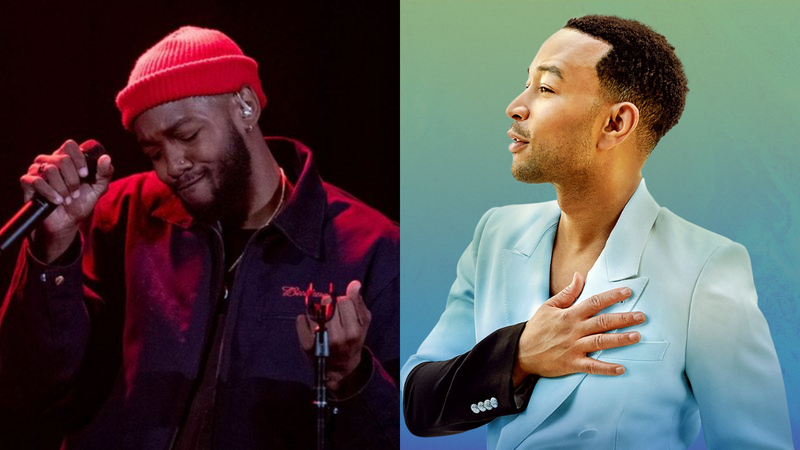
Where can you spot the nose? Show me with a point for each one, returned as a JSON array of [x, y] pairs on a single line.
[[177, 162], [517, 109]]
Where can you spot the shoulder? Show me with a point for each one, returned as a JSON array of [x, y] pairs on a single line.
[[358, 224], [145, 185], [687, 238], [135, 193], [698, 261]]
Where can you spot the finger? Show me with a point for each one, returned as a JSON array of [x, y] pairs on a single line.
[[33, 169], [34, 184], [354, 294], [52, 176], [603, 341], [305, 332], [70, 174], [326, 300], [47, 167], [42, 159], [599, 302], [351, 326], [76, 155], [595, 367], [336, 331], [105, 170], [612, 321], [567, 296], [26, 183]]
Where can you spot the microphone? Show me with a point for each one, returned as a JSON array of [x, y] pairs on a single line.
[[319, 312], [37, 209]]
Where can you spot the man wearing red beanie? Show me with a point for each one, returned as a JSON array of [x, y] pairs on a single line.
[[166, 310]]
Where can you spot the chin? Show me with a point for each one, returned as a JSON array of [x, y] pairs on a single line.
[[202, 212], [197, 196], [527, 174]]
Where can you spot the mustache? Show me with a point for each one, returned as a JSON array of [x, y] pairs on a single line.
[[186, 179], [517, 128]]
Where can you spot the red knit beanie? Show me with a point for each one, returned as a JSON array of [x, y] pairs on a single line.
[[188, 62]]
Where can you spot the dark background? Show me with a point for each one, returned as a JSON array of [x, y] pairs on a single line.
[[330, 71]]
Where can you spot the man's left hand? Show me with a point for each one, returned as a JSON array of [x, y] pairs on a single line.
[[347, 331]]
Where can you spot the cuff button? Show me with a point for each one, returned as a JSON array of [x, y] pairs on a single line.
[[59, 280]]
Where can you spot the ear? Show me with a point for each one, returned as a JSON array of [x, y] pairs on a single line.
[[619, 125], [246, 108]]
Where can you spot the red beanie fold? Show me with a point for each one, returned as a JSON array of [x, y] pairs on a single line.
[[189, 62]]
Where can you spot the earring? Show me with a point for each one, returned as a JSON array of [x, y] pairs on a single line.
[[247, 110], [249, 128]]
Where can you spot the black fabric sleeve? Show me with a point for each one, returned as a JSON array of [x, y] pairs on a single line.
[[440, 398]]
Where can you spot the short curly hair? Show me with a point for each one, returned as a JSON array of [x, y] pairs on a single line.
[[640, 68]]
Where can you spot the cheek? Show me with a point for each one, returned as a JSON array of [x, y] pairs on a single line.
[[557, 119], [546, 114], [160, 167]]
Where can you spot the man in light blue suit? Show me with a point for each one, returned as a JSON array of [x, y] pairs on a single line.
[[521, 346]]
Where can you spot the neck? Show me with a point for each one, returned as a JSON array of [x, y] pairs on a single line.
[[266, 190], [590, 211]]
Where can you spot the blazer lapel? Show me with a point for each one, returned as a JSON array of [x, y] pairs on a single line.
[[616, 267], [526, 269]]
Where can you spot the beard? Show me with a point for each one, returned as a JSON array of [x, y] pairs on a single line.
[[563, 160], [549, 161], [230, 196]]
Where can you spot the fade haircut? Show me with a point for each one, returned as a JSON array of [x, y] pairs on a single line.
[[640, 68]]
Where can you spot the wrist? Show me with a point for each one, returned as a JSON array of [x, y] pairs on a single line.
[[350, 385], [518, 375], [48, 247]]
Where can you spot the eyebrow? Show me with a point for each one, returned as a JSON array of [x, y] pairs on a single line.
[[551, 69]]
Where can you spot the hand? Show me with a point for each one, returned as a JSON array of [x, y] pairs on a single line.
[[58, 179], [558, 337], [347, 331]]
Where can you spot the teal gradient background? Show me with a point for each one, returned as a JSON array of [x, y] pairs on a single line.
[[730, 165]]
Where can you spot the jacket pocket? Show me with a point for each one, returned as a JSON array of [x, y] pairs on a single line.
[[641, 351]]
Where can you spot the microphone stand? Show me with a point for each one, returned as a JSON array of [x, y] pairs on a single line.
[[320, 312]]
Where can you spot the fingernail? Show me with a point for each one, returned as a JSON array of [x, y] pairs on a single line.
[[633, 336], [620, 370], [83, 172], [626, 291], [76, 194], [639, 317], [68, 200], [59, 200]]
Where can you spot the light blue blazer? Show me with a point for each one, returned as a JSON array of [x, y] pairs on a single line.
[[705, 354]]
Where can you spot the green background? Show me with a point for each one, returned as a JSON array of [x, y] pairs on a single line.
[[730, 165]]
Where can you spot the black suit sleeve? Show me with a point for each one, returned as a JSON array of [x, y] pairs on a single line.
[[441, 397]]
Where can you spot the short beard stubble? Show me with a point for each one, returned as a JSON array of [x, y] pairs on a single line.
[[555, 161], [230, 199]]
